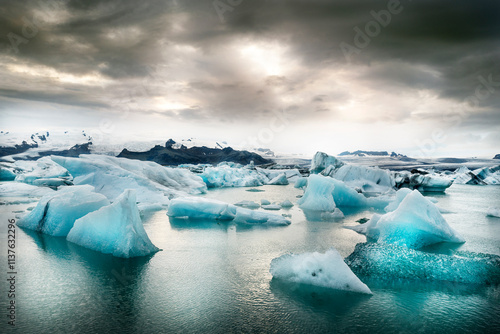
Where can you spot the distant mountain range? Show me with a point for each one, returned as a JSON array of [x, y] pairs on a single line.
[[168, 155]]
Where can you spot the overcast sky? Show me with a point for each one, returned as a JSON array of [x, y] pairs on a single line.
[[416, 77]]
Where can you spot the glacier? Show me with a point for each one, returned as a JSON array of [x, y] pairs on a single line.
[[389, 261], [114, 229], [56, 212], [203, 208], [415, 223], [110, 176], [326, 270]]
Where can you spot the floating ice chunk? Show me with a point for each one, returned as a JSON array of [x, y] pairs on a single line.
[[201, 208], [415, 223], [292, 175], [43, 168], [7, 173], [254, 190], [493, 212], [56, 212], [114, 229], [337, 214], [264, 202], [481, 176], [154, 184], [301, 182], [324, 194], [247, 216], [279, 180], [368, 179], [326, 270], [248, 204], [225, 175], [271, 207], [17, 189], [286, 204], [393, 261], [321, 160]]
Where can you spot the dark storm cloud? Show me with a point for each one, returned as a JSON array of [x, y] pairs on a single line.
[[441, 46]]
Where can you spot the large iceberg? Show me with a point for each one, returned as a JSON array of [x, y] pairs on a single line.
[[415, 223], [366, 179], [393, 261], [321, 161], [280, 179], [203, 208], [325, 194], [114, 229], [32, 172], [422, 181], [326, 270], [232, 175], [56, 212], [154, 184]]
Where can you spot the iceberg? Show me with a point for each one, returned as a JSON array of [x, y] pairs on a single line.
[[248, 204], [17, 189], [393, 261], [56, 212], [114, 229], [271, 207], [366, 179], [7, 172], [324, 194], [480, 176], [286, 204], [422, 181], [398, 198], [203, 208], [301, 182], [279, 180], [493, 212], [326, 270], [292, 175], [415, 223], [232, 175], [44, 168], [264, 202], [321, 160], [110, 176]]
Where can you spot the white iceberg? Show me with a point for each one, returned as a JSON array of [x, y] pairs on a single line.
[[326, 270], [286, 204], [44, 168], [248, 204], [416, 223], [56, 212], [480, 176], [423, 182], [18, 189], [271, 207], [301, 183], [249, 217], [321, 160], [264, 202], [154, 184], [398, 198], [114, 229], [225, 175], [367, 179], [201, 208]]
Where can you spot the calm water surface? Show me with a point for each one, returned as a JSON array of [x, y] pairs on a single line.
[[214, 277]]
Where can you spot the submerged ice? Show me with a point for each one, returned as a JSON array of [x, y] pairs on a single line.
[[393, 261], [326, 270]]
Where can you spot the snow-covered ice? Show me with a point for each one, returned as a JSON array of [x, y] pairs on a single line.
[[280, 179], [390, 262], [367, 179], [415, 223], [56, 212], [114, 229], [326, 270]]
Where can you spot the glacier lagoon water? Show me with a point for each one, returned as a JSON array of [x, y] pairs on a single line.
[[214, 277]]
